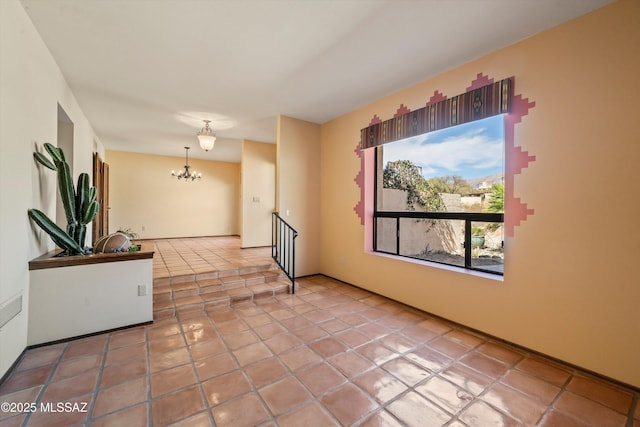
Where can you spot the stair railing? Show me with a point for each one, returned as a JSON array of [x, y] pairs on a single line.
[[283, 247]]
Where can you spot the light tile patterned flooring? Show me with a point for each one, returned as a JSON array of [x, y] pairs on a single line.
[[201, 255], [330, 355], [202, 273]]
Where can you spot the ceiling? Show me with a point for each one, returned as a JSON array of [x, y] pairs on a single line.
[[147, 72]]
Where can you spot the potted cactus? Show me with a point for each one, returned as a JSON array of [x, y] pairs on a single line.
[[100, 291], [80, 206]]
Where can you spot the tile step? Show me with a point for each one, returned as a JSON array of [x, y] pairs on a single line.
[[216, 274], [210, 290]]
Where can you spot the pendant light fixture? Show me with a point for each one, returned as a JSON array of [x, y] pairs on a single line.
[[186, 173], [206, 137]]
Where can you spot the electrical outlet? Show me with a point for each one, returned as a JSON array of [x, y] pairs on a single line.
[[142, 290]]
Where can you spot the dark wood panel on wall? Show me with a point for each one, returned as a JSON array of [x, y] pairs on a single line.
[[101, 182], [105, 199], [96, 179]]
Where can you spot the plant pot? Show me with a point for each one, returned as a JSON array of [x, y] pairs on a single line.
[[477, 241], [78, 295]]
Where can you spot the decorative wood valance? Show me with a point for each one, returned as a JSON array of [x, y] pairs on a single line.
[[476, 104]]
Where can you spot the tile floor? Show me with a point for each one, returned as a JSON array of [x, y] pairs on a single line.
[[200, 255], [330, 355], [202, 273]]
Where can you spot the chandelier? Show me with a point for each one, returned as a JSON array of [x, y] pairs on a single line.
[[186, 173], [206, 136]]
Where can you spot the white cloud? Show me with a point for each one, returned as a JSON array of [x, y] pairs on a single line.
[[449, 155]]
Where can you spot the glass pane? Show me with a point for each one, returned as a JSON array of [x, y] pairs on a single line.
[[386, 240], [487, 251], [458, 169], [438, 240]]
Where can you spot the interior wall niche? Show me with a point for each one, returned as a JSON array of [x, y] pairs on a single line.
[[65, 142]]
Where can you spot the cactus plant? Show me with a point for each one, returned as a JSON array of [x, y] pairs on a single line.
[[80, 206]]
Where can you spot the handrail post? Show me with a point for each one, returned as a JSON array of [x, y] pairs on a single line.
[[283, 247]]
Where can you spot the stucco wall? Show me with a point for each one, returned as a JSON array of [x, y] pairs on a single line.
[[570, 288], [31, 88], [145, 197], [298, 188], [258, 192]]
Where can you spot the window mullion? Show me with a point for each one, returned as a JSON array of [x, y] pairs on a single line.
[[398, 236], [467, 243]]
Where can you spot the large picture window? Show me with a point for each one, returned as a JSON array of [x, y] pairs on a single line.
[[440, 196]]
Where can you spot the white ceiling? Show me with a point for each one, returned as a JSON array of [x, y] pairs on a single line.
[[147, 72]]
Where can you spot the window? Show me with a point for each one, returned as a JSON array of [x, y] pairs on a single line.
[[440, 196]]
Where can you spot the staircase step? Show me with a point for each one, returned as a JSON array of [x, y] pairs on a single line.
[[246, 272], [211, 290]]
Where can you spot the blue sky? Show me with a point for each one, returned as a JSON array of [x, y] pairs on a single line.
[[471, 150]]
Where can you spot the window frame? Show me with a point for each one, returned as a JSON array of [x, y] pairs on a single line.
[[467, 217]]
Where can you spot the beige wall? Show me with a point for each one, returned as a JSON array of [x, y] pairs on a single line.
[[298, 188], [258, 192], [146, 198], [31, 87], [570, 287]]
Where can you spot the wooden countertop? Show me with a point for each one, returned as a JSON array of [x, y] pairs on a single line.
[[50, 260]]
